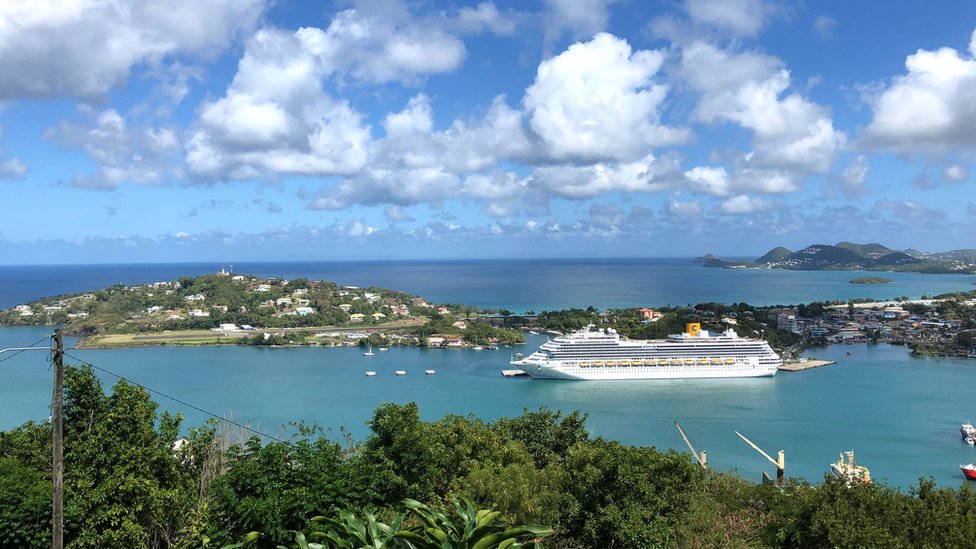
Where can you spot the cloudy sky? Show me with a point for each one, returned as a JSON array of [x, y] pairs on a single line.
[[226, 130]]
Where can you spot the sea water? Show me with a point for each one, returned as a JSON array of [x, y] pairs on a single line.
[[517, 285], [900, 414]]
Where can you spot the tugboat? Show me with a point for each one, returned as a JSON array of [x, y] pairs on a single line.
[[969, 471], [846, 469]]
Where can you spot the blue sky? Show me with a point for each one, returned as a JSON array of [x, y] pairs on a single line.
[[258, 130]]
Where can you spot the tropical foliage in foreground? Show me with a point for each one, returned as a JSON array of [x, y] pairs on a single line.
[[127, 485]]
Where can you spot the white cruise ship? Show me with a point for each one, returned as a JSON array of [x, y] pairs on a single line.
[[595, 354]]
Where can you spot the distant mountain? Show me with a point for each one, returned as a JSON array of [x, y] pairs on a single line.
[[870, 251], [965, 256], [704, 259], [775, 254], [818, 257], [850, 256], [897, 258]]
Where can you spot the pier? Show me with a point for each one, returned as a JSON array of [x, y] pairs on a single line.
[[805, 365]]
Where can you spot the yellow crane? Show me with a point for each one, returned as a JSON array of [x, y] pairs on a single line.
[[699, 458], [780, 462]]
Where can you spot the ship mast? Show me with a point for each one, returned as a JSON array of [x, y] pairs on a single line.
[[780, 462], [699, 458]]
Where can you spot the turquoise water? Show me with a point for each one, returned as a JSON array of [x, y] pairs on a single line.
[[517, 285], [901, 415]]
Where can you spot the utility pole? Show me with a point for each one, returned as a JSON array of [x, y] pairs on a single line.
[[57, 538], [57, 429]]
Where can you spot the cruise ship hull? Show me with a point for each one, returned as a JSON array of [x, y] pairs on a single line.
[[603, 355], [647, 372]]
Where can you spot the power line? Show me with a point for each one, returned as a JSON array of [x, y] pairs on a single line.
[[179, 401], [6, 358]]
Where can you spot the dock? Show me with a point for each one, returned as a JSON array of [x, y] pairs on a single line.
[[514, 373], [805, 365]]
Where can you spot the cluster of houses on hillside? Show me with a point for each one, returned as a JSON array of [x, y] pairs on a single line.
[[165, 301], [889, 322]]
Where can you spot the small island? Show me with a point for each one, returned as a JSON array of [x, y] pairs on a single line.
[[870, 280]]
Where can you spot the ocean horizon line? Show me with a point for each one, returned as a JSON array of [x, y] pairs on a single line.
[[371, 260]]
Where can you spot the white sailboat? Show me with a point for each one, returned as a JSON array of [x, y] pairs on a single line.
[[369, 352]]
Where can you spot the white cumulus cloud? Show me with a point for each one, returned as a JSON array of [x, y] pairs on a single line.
[[11, 168], [853, 177], [122, 152], [576, 17], [792, 136], [598, 101], [743, 204], [955, 173], [86, 47], [930, 108], [741, 17]]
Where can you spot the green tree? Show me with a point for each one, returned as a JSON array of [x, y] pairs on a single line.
[[123, 483]]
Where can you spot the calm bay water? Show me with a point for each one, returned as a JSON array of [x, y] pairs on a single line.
[[518, 285], [900, 414]]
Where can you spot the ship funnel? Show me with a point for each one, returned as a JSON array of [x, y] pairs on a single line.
[[693, 329]]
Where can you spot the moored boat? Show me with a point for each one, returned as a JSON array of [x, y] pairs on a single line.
[[400, 372], [969, 471], [967, 430], [370, 373], [430, 372], [846, 469]]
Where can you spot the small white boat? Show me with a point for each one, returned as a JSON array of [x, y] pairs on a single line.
[[383, 349], [430, 372], [967, 430], [400, 372], [370, 373], [533, 332], [970, 441], [369, 352], [478, 348]]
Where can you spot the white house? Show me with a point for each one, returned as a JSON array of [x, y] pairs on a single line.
[[198, 313], [195, 297], [303, 311], [283, 301], [263, 288]]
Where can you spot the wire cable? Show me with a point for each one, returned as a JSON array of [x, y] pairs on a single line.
[[180, 401], [6, 358]]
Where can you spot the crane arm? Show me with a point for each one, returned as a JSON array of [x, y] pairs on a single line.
[[690, 447], [758, 449]]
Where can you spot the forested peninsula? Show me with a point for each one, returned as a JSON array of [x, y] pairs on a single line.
[[226, 308]]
